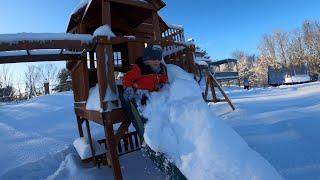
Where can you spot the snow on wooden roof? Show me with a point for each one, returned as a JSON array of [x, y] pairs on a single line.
[[83, 4]]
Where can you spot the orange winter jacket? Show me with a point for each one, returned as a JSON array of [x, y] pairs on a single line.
[[142, 77]]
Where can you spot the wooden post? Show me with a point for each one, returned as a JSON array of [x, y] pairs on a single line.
[[156, 26], [105, 64], [93, 152], [222, 92], [91, 56], [79, 122], [105, 70], [46, 88], [112, 148], [101, 73]]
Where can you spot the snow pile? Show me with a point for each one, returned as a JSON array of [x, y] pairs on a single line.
[[82, 4], [93, 102], [183, 127], [104, 30], [112, 99], [297, 79], [201, 63], [82, 146]]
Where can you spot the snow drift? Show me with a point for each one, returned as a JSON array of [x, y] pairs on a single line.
[[183, 127]]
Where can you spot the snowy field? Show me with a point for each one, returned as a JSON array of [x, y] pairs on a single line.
[[279, 123], [282, 124], [36, 143]]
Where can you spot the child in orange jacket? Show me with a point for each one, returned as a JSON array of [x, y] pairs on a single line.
[[147, 74]]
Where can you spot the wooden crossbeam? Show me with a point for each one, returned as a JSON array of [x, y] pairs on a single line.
[[54, 44], [120, 40], [38, 58]]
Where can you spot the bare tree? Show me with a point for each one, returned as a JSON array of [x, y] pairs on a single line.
[[311, 34], [5, 76], [268, 50], [281, 44], [32, 79], [48, 72]]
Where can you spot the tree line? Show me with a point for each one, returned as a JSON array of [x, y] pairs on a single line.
[[282, 49], [31, 82]]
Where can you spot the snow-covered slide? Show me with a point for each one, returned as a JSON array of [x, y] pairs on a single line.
[[182, 127]]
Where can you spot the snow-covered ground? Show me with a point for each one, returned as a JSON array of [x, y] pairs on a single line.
[[282, 124], [36, 143]]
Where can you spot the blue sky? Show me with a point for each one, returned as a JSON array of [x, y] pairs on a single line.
[[219, 26]]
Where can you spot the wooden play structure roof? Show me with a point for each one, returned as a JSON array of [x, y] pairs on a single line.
[[137, 12]]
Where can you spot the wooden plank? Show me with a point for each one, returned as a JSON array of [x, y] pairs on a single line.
[[112, 149], [156, 26], [120, 40], [84, 76], [38, 58], [94, 116], [213, 91], [79, 123], [205, 95], [93, 153], [101, 73], [54, 44]]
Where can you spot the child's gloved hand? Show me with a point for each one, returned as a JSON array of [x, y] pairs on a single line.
[[128, 93]]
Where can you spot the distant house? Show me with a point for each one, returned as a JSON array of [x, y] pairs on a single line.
[[288, 75]]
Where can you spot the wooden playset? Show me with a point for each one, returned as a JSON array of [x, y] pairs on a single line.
[[94, 60]]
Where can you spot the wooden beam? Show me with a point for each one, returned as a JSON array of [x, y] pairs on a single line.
[[120, 40], [156, 26], [112, 149], [38, 58], [222, 92], [54, 44]]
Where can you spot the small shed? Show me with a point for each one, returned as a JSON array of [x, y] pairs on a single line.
[[288, 75]]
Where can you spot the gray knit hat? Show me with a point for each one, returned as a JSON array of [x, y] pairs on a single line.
[[153, 52]]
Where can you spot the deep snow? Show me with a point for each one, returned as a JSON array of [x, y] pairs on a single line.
[[281, 124], [182, 126]]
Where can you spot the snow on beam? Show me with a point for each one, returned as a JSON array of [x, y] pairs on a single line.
[[38, 58], [29, 41], [43, 37]]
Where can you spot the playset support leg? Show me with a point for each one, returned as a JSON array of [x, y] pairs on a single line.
[[212, 82], [90, 141], [112, 153], [79, 122]]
